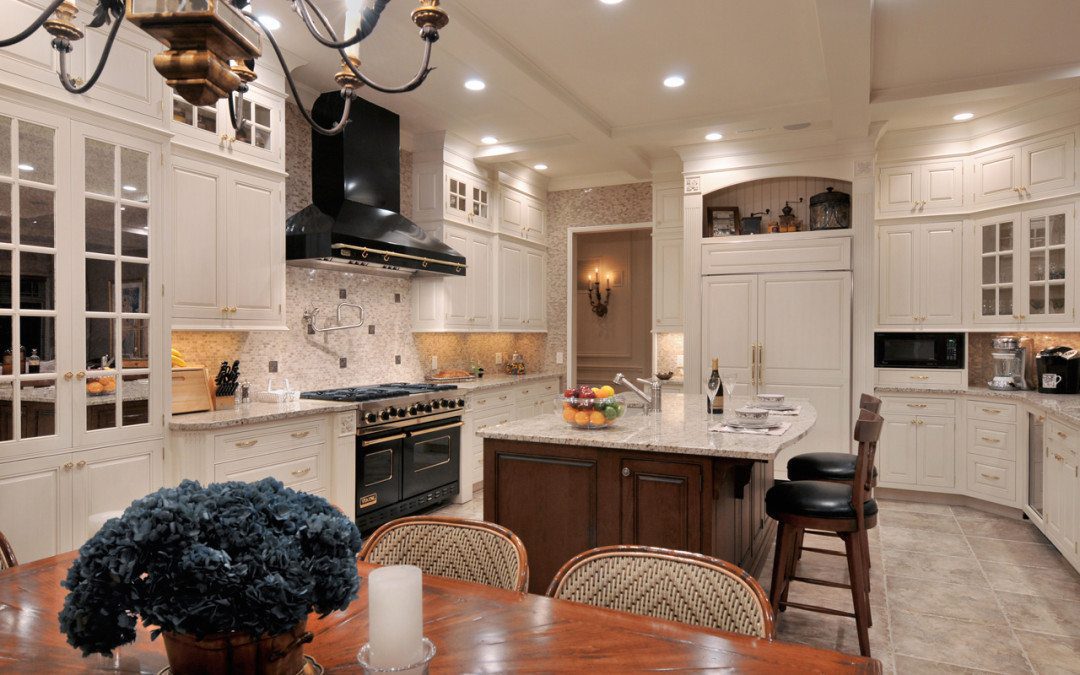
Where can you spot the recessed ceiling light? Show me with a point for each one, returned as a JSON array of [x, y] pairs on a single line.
[[611, 2], [489, 140], [961, 117], [129, 188], [543, 167], [25, 167], [674, 81], [475, 85], [269, 22], [714, 136]]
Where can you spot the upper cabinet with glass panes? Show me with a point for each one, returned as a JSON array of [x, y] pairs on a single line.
[[442, 193], [261, 137]]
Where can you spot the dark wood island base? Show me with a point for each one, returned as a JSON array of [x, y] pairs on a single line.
[[565, 499]]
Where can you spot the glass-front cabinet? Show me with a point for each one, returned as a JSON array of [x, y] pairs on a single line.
[[1025, 268], [78, 212], [262, 136]]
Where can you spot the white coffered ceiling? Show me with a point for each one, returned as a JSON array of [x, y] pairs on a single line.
[[576, 84]]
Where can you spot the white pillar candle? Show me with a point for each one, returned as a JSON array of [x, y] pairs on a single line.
[[352, 24], [395, 616]]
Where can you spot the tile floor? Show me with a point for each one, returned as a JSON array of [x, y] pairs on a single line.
[[953, 590]]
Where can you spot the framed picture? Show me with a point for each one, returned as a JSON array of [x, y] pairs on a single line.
[[721, 221], [133, 297]]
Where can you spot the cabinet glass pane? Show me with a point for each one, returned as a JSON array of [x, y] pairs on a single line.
[[1005, 237], [262, 115], [989, 238], [1037, 265], [989, 270], [38, 408], [1056, 299], [1037, 233], [135, 406], [36, 152], [989, 302], [1037, 299], [37, 281], [100, 401], [7, 411], [100, 342], [135, 343], [1057, 229], [207, 119], [5, 279], [1005, 303], [5, 213], [262, 138], [36, 215], [1005, 269], [5, 343], [133, 182], [1056, 269], [133, 296], [5, 146], [100, 279], [100, 168], [100, 217], [38, 337], [243, 134], [134, 231], [182, 111]]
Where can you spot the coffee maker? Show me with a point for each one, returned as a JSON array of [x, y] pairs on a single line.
[[1013, 363]]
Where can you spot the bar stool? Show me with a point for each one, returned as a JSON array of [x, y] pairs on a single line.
[[846, 509]]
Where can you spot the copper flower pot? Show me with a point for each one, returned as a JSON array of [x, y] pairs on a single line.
[[238, 653]]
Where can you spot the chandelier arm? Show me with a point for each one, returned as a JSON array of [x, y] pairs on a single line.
[[347, 92], [367, 25], [34, 25], [66, 81], [236, 119]]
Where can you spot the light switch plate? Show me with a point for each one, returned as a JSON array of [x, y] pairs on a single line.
[[558, 357], [679, 360], [434, 362], [498, 358]]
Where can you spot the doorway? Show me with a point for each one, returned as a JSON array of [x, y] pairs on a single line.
[[610, 313]]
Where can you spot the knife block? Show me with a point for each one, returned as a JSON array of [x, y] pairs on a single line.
[[224, 402]]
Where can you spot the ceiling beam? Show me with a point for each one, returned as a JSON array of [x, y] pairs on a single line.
[[845, 29]]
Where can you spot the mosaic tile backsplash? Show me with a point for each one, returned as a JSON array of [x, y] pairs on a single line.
[[669, 347], [981, 364]]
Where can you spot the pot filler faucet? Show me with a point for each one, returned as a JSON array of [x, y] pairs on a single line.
[[653, 403]]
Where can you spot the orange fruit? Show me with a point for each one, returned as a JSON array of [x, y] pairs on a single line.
[[94, 387], [109, 383], [597, 418], [581, 418], [568, 414]]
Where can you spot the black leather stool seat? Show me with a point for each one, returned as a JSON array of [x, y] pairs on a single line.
[[813, 498], [823, 466]]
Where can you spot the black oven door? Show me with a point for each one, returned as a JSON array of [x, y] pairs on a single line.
[[918, 350], [378, 471], [431, 456]]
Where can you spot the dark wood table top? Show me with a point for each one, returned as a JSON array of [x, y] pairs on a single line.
[[474, 628]]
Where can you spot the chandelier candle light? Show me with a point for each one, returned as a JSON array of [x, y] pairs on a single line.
[[212, 45], [599, 303]]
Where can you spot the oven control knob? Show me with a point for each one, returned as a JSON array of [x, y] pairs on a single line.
[[370, 417], [385, 415], [427, 407], [451, 404], [435, 403], [401, 412], [413, 409], [461, 403]]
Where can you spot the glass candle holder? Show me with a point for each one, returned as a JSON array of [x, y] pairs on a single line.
[[418, 668]]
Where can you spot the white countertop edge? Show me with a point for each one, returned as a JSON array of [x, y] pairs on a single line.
[[257, 413], [1065, 406]]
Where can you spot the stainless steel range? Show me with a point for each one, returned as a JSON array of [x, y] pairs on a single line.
[[408, 447]]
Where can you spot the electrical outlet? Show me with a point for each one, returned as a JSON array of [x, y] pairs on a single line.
[[558, 357], [498, 358], [272, 367], [343, 362], [397, 297], [397, 359], [371, 329], [434, 362], [342, 294], [679, 360]]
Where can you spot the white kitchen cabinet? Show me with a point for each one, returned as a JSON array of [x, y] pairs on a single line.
[[458, 303], [445, 193], [785, 333], [997, 176], [897, 454], [228, 248], [535, 228], [262, 138], [920, 274], [667, 280], [922, 188], [109, 479], [668, 206], [916, 450], [1048, 165], [522, 290], [1025, 268], [935, 451], [521, 215], [1061, 488]]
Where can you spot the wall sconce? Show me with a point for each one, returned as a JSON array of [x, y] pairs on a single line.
[[599, 304]]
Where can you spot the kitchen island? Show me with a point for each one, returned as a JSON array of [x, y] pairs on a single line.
[[658, 480]]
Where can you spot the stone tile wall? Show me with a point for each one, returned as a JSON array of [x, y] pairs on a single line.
[[981, 364]]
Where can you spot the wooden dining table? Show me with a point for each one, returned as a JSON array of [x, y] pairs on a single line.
[[476, 629]]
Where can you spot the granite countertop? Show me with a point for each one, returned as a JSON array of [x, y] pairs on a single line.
[[133, 390], [254, 413], [680, 429], [496, 380], [1065, 406]]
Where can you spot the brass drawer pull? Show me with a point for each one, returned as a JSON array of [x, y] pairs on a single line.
[[395, 437], [989, 477], [301, 472], [300, 434], [991, 440], [1062, 434], [992, 411], [247, 444], [920, 377], [453, 425], [481, 401], [68, 466], [1059, 457], [916, 405]]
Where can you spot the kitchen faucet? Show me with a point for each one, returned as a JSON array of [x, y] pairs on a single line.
[[653, 403]]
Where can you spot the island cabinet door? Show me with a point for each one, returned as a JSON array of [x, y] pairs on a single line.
[[661, 504]]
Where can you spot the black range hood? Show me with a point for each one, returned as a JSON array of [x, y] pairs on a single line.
[[353, 222]]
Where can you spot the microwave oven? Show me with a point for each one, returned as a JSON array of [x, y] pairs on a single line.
[[919, 350]]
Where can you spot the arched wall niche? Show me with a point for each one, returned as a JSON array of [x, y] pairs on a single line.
[[766, 198]]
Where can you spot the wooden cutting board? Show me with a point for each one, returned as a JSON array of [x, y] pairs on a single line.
[[190, 390]]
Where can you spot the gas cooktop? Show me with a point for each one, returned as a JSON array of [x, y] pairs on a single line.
[[375, 392], [396, 403]]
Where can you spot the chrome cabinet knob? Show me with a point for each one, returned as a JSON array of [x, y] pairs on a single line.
[[626, 472]]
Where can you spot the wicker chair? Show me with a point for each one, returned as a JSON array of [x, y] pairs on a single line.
[[458, 548], [675, 585], [7, 554]]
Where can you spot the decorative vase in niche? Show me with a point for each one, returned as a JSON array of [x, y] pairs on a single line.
[[830, 210], [240, 653]]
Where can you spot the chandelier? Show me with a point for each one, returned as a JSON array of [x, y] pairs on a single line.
[[212, 45]]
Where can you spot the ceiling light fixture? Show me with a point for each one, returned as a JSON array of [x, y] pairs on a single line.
[[543, 167], [963, 117], [674, 81], [26, 167], [211, 46], [475, 85], [714, 136], [489, 140], [611, 2]]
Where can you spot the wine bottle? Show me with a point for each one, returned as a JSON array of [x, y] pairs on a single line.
[[714, 402]]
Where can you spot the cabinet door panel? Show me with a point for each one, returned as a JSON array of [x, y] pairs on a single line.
[[996, 268], [35, 506], [511, 261], [256, 245], [534, 220], [1045, 266], [897, 451], [1048, 165], [198, 240], [941, 274], [897, 275], [936, 452], [668, 282], [512, 215], [110, 479], [478, 278], [661, 504], [457, 288], [997, 174], [729, 310], [535, 290], [942, 185], [898, 189]]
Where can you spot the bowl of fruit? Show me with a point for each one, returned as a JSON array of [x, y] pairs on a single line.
[[591, 407]]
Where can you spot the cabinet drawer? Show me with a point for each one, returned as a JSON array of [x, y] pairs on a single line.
[[992, 439], [490, 399], [530, 391], [492, 417], [920, 378], [993, 412], [261, 440], [917, 405], [291, 467], [991, 477], [1062, 436]]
